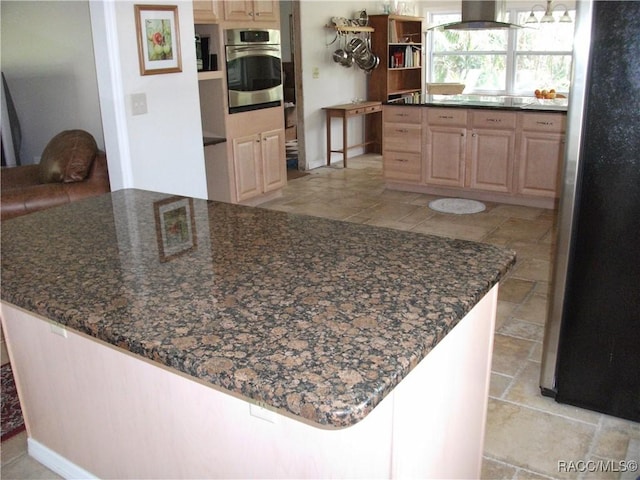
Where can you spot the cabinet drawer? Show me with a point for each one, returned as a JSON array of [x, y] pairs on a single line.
[[402, 137], [402, 114], [402, 166], [493, 119], [447, 116], [544, 122]]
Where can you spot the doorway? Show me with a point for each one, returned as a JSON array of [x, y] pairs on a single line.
[[292, 83]]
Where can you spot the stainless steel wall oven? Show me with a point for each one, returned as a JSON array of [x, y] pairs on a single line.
[[254, 69]]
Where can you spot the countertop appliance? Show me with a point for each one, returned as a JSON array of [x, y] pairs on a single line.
[[591, 354], [254, 69]]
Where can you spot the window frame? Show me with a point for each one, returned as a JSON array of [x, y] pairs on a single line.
[[512, 54]]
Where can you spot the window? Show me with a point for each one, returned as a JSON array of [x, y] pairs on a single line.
[[512, 61]]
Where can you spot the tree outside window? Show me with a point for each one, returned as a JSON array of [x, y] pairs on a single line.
[[512, 62]]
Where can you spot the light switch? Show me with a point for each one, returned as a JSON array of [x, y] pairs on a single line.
[[138, 104], [315, 73]]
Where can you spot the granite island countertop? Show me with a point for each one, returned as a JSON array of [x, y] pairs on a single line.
[[493, 102], [313, 317]]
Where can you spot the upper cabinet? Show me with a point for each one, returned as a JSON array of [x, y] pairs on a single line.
[[251, 10], [206, 11]]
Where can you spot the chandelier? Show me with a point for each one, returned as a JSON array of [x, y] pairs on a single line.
[[548, 14]]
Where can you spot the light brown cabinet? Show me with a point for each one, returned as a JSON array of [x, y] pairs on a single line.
[[491, 150], [206, 11], [540, 155], [486, 154], [402, 148], [258, 164], [446, 151], [256, 10]]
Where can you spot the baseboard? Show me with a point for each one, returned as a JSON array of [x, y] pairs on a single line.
[[56, 462]]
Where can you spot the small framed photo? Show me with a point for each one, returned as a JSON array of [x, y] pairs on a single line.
[[175, 227], [158, 39]]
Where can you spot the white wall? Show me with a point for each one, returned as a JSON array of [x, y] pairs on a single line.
[[48, 62], [162, 149], [335, 84]]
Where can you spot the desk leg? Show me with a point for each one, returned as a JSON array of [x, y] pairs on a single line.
[[345, 143], [328, 138]]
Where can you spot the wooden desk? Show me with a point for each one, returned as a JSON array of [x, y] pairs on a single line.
[[345, 112]]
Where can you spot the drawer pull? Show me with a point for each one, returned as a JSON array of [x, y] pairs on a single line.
[[539, 122], [494, 120], [446, 117], [402, 130], [402, 160]]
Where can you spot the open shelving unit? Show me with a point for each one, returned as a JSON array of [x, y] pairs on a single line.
[[400, 72]]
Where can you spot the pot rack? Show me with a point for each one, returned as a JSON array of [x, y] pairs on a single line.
[[346, 30]]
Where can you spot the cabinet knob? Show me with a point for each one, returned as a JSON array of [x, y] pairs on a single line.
[[473, 134], [462, 134]]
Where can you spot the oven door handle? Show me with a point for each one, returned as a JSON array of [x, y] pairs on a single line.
[[256, 49]]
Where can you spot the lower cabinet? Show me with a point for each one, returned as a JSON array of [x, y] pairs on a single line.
[[259, 165], [492, 148], [402, 145], [540, 155], [488, 154]]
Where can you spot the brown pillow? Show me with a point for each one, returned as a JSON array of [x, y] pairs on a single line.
[[67, 157]]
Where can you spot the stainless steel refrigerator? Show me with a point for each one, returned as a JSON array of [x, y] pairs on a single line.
[[591, 355]]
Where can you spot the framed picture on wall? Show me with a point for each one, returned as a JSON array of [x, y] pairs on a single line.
[[158, 39], [175, 227]]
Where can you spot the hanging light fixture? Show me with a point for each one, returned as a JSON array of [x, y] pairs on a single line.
[[548, 14]]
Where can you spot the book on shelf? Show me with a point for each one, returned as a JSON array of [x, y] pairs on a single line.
[[393, 32]]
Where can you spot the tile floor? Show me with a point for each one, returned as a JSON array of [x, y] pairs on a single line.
[[528, 436]]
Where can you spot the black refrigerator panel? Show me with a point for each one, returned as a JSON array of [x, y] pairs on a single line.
[[598, 359]]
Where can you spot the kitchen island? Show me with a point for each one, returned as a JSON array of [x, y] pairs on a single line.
[[165, 337], [491, 148]]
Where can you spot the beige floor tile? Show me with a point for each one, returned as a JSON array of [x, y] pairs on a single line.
[[518, 229], [525, 390], [532, 269], [494, 470], [533, 309], [14, 447], [514, 290], [517, 211], [504, 312], [534, 440], [515, 327], [537, 250], [509, 354], [464, 232], [499, 384]]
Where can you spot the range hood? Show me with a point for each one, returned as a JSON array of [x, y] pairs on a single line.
[[480, 15]]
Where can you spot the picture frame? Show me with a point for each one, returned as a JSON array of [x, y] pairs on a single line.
[[175, 227], [158, 34]]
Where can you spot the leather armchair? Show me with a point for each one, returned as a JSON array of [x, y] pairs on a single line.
[[78, 170]]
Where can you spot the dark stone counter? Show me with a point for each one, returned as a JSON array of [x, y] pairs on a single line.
[[318, 318], [493, 102]]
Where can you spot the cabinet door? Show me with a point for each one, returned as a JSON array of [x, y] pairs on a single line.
[[274, 171], [246, 161], [205, 11], [491, 159], [237, 10], [445, 156], [265, 10], [259, 10], [539, 163]]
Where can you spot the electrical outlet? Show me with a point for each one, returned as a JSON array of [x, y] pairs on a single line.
[[58, 329], [138, 104], [315, 73]]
